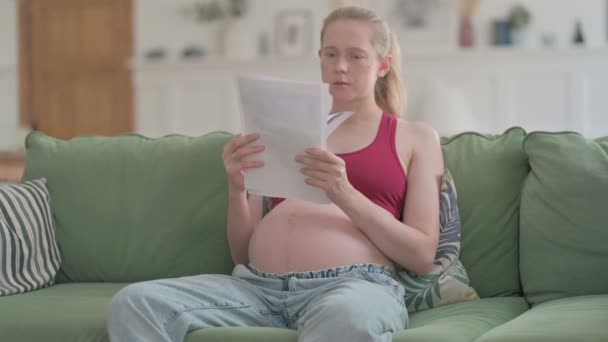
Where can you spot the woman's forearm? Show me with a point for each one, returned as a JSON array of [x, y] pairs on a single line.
[[405, 245], [239, 226]]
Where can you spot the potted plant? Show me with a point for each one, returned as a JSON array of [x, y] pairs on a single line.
[[519, 19]]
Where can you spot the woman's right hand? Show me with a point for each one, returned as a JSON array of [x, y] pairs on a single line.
[[234, 153]]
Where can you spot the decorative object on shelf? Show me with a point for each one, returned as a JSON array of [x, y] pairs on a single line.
[[155, 54], [293, 33], [263, 45], [238, 41], [216, 10], [466, 32], [231, 37], [549, 40], [502, 32], [422, 24], [194, 52], [579, 37], [520, 19]]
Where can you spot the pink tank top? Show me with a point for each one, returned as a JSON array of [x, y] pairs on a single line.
[[375, 170]]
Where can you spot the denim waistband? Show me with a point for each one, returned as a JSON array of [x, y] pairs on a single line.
[[327, 273]]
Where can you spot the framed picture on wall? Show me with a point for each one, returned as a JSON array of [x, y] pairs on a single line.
[[293, 33]]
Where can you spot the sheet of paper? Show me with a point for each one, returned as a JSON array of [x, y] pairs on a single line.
[[290, 117]]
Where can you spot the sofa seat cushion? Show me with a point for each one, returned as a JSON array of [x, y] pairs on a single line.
[[60, 313], [582, 318], [456, 322]]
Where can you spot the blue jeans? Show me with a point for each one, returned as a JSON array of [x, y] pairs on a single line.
[[349, 303]]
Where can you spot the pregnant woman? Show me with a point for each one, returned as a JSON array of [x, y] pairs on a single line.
[[325, 270]]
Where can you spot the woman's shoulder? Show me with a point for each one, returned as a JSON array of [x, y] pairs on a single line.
[[416, 138], [418, 131]]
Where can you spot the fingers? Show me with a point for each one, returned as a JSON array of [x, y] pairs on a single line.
[[251, 164], [246, 151], [324, 155], [334, 167], [239, 141], [315, 182], [236, 151], [314, 173]]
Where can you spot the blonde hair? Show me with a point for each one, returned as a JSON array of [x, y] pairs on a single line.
[[388, 90]]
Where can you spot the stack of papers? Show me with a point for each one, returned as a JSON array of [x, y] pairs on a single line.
[[290, 116]]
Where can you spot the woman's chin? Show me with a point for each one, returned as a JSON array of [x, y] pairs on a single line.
[[341, 95]]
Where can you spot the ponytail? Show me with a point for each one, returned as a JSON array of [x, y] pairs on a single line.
[[389, 91]]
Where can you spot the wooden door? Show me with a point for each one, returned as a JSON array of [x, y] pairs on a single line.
[[73, 72]]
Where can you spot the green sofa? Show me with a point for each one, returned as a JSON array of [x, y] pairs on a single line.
[[533, 206]]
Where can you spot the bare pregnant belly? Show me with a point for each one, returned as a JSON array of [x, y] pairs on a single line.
[[299, 236]]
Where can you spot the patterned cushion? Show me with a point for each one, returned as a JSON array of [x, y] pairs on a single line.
[[447, 282], [29, 257]]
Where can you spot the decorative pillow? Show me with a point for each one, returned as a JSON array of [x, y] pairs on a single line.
[[29, 257], [448, 282]]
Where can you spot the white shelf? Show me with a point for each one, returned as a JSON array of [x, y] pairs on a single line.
[[217, 63], [509, 52], [486, 53]]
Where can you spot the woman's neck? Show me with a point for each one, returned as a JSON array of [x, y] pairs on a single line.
[[362, 110]]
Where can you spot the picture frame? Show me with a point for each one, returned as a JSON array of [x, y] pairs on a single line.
[[293, 33]]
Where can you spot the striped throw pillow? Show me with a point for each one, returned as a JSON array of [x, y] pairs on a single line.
[[29, 257]]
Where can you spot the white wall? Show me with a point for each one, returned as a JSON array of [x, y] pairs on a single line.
[[158, 23], [10, 134], [8, 33]]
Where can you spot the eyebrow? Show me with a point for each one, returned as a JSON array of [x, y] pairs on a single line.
[[356, 49]]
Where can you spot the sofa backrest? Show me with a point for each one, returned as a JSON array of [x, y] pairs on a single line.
[[489, 171], [564, 217], [130, 208]]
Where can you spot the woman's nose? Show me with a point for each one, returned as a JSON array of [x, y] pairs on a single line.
[[341, 65]]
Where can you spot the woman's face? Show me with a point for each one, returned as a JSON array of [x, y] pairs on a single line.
[[349, 61]]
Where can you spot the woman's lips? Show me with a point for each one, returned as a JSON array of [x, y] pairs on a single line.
[[340, 83]]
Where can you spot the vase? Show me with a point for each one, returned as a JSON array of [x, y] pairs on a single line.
[[466, 32], [235, 42], [519, 37]]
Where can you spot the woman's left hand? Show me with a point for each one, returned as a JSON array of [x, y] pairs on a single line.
[[325, 171]]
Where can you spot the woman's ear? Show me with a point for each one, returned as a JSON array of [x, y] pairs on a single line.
[[385, 65]]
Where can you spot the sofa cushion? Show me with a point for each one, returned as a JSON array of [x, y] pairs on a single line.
[[461, 322], [447, 282], [489, 171], [29, 257], [61, 313], [77, 312], [581, 318], [127, 207], [564, 217]]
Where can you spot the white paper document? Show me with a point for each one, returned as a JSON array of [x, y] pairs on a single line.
[[290, 117]]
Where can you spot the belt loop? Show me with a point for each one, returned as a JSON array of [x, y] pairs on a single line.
[[292, 284]]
